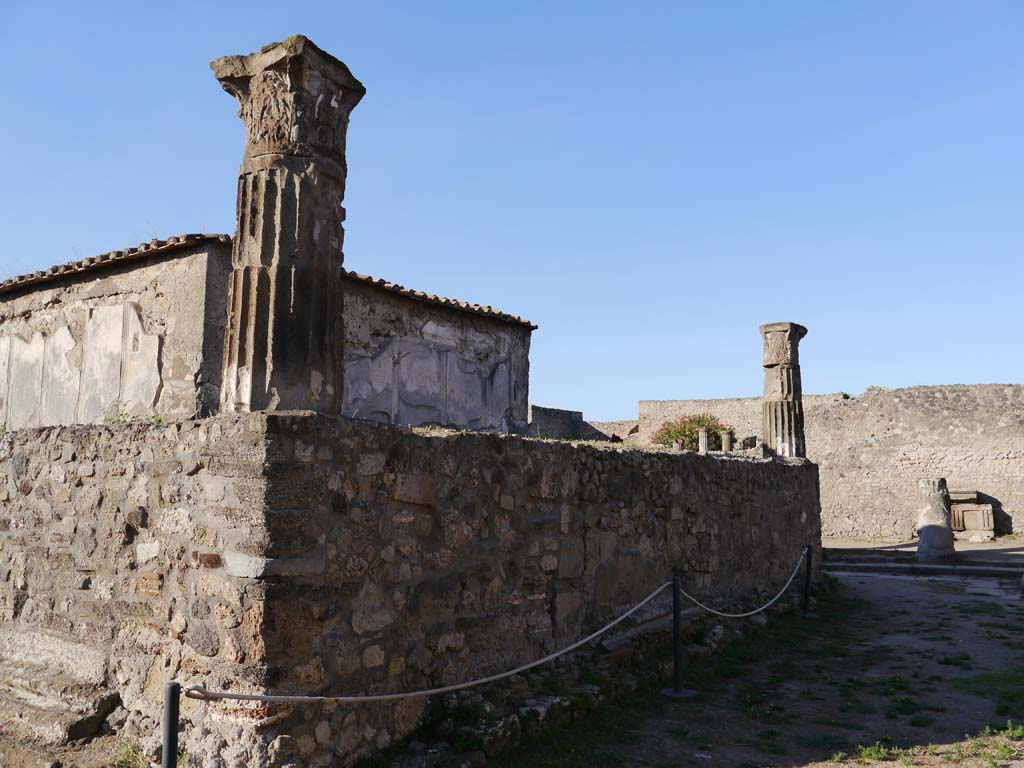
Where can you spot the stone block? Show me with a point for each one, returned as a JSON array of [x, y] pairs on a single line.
[[415, 489], [150, 584], [207, 560], [570, 557]]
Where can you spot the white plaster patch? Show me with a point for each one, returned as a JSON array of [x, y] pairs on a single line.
[[444, 335], [5, 358], [26, 381], [61, 374], [140, 365], [101, 367]]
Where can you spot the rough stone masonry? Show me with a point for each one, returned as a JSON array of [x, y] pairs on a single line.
[[263, 550]]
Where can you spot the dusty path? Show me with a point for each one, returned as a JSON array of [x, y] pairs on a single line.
[[890, 670]]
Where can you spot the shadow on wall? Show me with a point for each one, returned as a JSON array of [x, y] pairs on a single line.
[[1001, 520]]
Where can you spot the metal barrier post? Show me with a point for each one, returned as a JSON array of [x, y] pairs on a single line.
[[172, 700], [677, 691], [805, 602]]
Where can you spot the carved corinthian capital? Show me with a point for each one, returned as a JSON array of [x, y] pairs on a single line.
[[284, 336]]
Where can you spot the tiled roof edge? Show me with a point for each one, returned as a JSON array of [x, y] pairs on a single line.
[[429, 298], [143, 250], [159, 247]]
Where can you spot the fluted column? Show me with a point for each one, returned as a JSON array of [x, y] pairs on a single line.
[[783, 396], [283, 342]]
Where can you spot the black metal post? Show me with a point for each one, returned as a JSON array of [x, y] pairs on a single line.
[[677, 691], [805, 603], [677, 631], [172, 700]]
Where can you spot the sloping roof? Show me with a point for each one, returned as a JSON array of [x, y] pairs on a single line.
[[143, 250], [160, 247], [429, 298]]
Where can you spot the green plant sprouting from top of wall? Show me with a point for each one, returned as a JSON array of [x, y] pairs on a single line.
[[121, 415], [685, 429]]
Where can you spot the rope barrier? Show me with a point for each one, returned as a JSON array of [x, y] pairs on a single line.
[[200, 693], [765, 607]]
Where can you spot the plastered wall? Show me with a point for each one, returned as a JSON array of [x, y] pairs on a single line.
[[137, 341], [412, 363]]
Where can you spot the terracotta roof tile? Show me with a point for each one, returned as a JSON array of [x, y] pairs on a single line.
[[159, 247], [430, 298], [143, 250]]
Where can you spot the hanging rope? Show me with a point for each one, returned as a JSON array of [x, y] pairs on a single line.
[[765, 607], [200, 693]]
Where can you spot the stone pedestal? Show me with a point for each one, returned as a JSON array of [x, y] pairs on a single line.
[[283, 343], [783, 396], [934, 532], [727, 440], [703, 441]]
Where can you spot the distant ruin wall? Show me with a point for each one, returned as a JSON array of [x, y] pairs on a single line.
[[137, 341], [872, 449], [412, 363], [300, 554]]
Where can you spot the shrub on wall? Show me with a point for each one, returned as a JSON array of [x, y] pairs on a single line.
[[685, 428]]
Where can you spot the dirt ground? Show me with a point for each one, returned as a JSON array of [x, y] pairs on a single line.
[[890, 670]]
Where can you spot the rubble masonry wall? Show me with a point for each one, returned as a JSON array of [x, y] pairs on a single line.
[[294, 553]]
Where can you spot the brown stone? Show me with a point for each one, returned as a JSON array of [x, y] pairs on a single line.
[[150, 584], [207, 560]]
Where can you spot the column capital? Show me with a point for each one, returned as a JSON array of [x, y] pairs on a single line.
[[780, 343], [294, 99]]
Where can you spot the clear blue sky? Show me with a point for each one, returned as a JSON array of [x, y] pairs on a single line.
[[648, 181]]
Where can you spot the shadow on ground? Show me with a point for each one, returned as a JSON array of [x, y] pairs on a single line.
[[889, 669]]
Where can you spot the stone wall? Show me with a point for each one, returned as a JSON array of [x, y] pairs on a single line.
[[137, 340], [293, 553], [743, 414], [121, 556], [433, 560], [413, 363], [872, 449]]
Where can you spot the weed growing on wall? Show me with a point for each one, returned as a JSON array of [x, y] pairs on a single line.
[[685, 428]]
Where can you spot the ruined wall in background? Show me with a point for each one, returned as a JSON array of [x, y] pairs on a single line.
[[133, 341], [872, 449], [410, 362], [743, 414]]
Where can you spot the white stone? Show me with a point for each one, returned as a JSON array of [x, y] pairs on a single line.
[[244, 566], [147, 550]]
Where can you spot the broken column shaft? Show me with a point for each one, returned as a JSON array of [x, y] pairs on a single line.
[[283, 342], [783, 397]]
